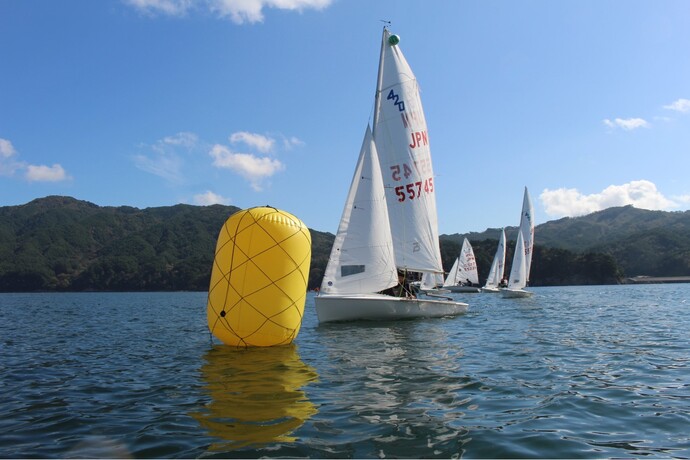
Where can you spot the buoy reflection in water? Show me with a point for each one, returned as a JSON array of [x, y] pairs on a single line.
[[256, 395]]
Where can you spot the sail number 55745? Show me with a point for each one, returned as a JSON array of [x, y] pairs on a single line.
[[414, 190]]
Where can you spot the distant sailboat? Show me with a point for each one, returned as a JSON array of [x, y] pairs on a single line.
[[389, 225], [432, 283], [495, 278], [522, 259], [463, 276]]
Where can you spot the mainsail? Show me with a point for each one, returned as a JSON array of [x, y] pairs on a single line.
[[402, 140], [465, 267], [527, 231], [518, 272], [498, 265]]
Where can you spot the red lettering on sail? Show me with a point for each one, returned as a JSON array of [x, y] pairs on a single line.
[[419, 138], [405, 120], [414, 190]]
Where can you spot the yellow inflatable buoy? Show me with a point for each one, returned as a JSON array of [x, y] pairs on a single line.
[[259, 278]]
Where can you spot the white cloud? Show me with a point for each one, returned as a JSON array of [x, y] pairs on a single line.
[[168, 157], [290, 142], [165, 159], [167, 7], [184, 139], [627, 124], [209, 198], [685, 199], [165, 165], [42, 173], [6, 148], [253, 168], [262, 143], [239, 11], [8, 165], [681, 105], [570, 202], [33, 173]]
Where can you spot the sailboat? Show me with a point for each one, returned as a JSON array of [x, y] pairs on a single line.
[[463, 276], [495, 278], [431, 284], [522, 259], [389, 225]]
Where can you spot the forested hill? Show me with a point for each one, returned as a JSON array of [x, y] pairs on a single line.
[[60, 243], [642, 242]]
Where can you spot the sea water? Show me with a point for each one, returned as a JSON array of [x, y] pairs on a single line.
[[576, 372]]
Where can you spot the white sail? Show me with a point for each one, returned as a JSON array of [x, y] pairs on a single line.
[[498, 264], [401, 136], [450, 279], [518, 272], [527, 231], [361, 259], [465, 267], [431, 280]]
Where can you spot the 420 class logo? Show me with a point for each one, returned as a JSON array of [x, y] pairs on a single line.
[[396, 100]]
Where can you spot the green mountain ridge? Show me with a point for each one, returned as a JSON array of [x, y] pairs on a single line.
[[643, 242], [60, 243]]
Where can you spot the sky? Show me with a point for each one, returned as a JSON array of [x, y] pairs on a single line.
[[150, 103]]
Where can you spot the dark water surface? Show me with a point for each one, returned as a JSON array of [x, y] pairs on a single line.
[[576, 372]]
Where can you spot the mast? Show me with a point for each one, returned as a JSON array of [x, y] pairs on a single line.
[[379, 81]]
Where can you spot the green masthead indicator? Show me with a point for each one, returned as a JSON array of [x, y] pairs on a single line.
[[393, 39]]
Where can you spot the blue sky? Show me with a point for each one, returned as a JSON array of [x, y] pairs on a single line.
[[264, 102]]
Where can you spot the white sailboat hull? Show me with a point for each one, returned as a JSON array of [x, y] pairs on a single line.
[[438, 291], [491, 290], [377, 307], [515, 293], [428, 291], [464, 289]]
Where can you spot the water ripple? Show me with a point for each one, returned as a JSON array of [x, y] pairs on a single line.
[[581, 372]]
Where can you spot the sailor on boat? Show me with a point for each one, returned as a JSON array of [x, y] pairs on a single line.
[[402, 289]]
